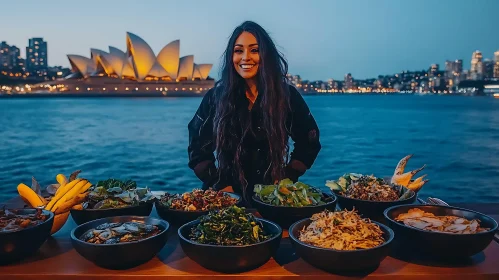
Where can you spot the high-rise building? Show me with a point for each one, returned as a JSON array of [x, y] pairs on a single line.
[[488, 69], [476, 70], [458, 67], [348, 84], [4, 55], [457, 74], [432, 72], [36, 56], [496, 64], [449, 69], [10, 56], [332, 84]]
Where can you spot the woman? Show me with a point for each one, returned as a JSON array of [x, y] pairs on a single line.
[[248, 117]]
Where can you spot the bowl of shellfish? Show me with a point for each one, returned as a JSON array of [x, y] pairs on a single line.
[[120, 242]]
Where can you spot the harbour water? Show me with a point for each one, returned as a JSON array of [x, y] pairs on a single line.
[[145, 139]]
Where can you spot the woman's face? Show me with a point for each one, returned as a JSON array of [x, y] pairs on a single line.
[[245, 56]]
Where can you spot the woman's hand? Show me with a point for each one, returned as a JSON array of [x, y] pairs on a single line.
[[228, 189], [294, 170]]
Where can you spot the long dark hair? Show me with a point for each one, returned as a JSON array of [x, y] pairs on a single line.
[[273, 95]]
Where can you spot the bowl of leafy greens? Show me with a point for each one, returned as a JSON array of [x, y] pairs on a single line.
[[114, 197], [288, 202], [230, 240]]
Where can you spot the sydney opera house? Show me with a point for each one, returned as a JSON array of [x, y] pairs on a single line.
[[136, 71]]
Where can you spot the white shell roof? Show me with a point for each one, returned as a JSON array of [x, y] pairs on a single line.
[[139, 62]]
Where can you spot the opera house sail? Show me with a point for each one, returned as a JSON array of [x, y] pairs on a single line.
[[137, 70]]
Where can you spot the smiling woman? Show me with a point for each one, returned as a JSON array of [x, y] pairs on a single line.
[[248, 117]]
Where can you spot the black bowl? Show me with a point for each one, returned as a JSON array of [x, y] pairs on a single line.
[[340, 261], [180, 217], [286, 216], [231, 259], [16, 245], [438, 244], [120, 255], [372, 209], [86, 215]]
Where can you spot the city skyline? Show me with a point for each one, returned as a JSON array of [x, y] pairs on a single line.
[[164, 68], [320, 39]]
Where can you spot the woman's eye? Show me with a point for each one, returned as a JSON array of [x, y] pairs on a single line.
[[238, 51], [254, 50]]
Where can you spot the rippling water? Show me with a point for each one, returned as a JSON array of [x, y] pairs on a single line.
[[146, 140]]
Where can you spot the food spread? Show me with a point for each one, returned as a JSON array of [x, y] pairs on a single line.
[[115, 193], [367, 187], [448, 224], [197, 200], [287, 193], [342, 230], [10, 221], [112, 233], [229, 227]]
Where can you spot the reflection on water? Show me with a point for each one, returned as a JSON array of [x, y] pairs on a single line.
[[146, 140]]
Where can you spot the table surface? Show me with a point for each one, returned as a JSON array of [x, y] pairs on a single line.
[[57, 259]]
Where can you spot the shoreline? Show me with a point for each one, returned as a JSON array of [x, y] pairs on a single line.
[[103, 95], [177, 94]]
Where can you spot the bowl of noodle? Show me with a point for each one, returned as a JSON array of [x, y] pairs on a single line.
[[341, 241]]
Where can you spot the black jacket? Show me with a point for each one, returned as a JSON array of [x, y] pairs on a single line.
[[300, 122]]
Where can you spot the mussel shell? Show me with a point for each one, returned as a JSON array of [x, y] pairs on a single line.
[[120, 231], [132, 227], [89, 235], [99, 204], [113, 240], [107, 225], [105, 235], [147, 228]]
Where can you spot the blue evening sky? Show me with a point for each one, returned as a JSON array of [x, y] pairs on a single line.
[[321, 38]]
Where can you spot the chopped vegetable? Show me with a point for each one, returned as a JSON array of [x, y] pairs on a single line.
[[198, 200], [229, 227], [287, 193]]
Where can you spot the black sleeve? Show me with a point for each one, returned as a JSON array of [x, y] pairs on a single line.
[[304, 132], [201, 142]]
